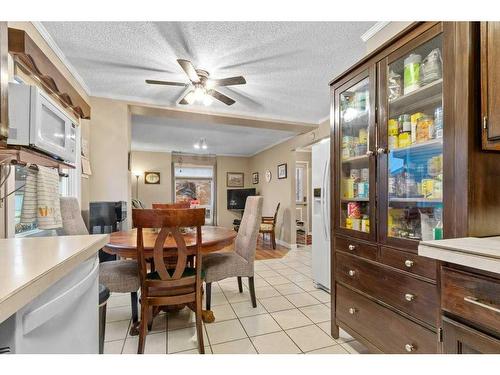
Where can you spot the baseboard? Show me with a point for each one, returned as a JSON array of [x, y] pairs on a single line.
[[291, 246]]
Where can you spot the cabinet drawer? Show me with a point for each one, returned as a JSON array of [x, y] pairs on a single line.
[[409, 262], [461, 339], [472, 297], [385, 329], [360, 249], [415, 297]]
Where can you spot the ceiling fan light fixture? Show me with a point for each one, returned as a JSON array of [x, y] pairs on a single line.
[[209, 84], [197, 145], [199, 93], [190, 97], [204, 145], [207, 100]]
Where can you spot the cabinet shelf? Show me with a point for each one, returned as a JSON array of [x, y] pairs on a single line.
[[432, 146], [421, 97], [415, 200], [355, 159], [355, 199]]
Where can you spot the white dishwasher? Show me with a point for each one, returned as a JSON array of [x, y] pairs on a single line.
[[63, 319]]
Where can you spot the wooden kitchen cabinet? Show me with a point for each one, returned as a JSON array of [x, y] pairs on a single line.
[[490, 85], [391, 190], [461, 339]]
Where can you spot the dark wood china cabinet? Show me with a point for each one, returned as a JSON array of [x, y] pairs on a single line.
[[407, 166]]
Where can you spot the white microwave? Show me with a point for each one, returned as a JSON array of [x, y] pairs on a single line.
[[35, 120]]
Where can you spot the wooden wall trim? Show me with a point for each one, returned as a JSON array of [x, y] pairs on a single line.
[[32, 61]]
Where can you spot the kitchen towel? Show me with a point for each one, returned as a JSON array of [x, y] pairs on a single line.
[[41, 199]]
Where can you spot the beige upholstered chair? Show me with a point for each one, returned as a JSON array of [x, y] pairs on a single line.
[[120, 276], [219, 266]]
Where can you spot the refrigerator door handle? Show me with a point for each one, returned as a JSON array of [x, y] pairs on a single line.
[[323, 199], [44, 313], [327, 201]]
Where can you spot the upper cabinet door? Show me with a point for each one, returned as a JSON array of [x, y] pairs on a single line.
[[490, 85], [355, 164], [410, 147]]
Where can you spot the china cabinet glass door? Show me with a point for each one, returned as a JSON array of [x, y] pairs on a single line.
[[413, 143], [356, 164]]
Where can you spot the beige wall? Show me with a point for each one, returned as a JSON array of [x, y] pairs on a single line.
[[226, 164], [143, 161], [110, 135], [386, 33]]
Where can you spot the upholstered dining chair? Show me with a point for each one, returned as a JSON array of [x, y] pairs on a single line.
[[219, 266], [170, 206], [268, 226], [166, 285], [120, 276]]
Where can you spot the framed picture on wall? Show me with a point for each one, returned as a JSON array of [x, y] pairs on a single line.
[[255, 178], [152, 178], [282, 171], [235, 179]]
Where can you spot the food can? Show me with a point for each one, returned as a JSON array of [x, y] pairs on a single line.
[[404, 123], [414, 120], [437, 192], [404, 140], [354, 210], [363, 190], [393, 142], [438, 122], [355, 174], [392, 127], [425, 129], [427, 187], [363, 136], [365, 174], [356, 224], [365, 224], [348, 223]]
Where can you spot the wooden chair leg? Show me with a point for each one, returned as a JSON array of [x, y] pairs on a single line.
[[143, 330], [151, 316], [251, 286], [273, 239], [199, 325], [135, 308], [208, 295], [240, 284]]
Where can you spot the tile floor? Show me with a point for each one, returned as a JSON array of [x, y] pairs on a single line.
[[292, 316]]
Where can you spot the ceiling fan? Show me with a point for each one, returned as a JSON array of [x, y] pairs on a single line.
[[202, 87]]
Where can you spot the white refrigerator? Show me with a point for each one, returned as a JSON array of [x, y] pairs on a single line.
[[321, 214]]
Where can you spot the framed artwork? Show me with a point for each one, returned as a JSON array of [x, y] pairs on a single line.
[[255, 178], [235, 179], [282, 171], [152, 178]]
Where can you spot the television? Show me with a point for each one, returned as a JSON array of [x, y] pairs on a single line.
[[236, 198]]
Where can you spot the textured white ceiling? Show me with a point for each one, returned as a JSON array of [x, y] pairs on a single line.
[[167, 134], [287, 65]]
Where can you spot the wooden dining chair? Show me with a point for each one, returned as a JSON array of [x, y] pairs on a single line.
[[170, 206], [268, 226], [167, 285]]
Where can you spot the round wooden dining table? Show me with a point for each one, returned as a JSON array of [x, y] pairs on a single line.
[[213, 238]]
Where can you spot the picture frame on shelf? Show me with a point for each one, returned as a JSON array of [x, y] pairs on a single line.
[[255, 178], [152, 178], [282, 171], [235, 179]]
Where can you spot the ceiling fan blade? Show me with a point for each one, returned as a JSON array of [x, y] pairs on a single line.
[[223, 98], [183, 101], [167, 83], [231, 81], [188, 67]]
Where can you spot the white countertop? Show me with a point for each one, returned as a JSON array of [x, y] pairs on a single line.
[[29, 266], [479, 253]]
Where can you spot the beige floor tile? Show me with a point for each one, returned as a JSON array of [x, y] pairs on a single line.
[[259, 266], [266, 292], [159, 323], [321, 296], [236, 296], [243, 346], [156, 343], [113, 347], [277, 280], [195, 351], [273, 304], [228, 330], [355, 347], [302, 299], [275, 343], [293, 263], [267, 273], [307, 285], [317, 313], [245, 308], [116, 314], [116, 330], [335, 349], [288, 272], [289, 288], [181, 319], [326, 327], [329, 305], [344, 337], [259, 282], [310, 338], [223, 312], [259, 325], [298, 277], [288, 319], [278, 266], [118, 300], [216, 299], [183, 339]]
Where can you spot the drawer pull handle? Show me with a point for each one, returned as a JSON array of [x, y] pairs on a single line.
[[409, 348], [352, 247], [352, 273], [409, 263], [352, 310], [480, 303], [409, 297]]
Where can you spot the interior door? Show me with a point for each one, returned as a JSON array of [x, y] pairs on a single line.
[[355, 163], [410, 147], [490, 85]]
